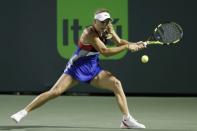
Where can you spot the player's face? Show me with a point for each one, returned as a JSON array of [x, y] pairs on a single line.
[[102, 25]]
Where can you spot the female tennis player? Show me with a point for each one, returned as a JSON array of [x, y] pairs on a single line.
[[84, 67]]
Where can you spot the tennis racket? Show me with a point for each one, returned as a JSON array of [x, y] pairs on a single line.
[[166, 33]]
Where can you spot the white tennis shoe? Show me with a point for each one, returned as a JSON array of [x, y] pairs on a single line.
[[130, 122], [19, 115]]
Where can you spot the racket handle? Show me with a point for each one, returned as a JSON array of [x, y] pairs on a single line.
[[145, 43], [153, 43]]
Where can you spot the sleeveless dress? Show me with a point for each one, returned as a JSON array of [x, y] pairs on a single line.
[[84, 64]]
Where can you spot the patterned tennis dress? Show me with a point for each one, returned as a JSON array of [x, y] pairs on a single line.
[[84, 64]]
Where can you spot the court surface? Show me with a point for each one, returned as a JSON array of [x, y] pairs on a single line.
[[99, 113]]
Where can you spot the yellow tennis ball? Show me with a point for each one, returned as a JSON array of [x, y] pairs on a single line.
[[144, 59]]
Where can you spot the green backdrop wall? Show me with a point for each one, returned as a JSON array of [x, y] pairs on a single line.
[[30, 61]]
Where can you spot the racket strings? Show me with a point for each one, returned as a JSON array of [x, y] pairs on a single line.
[[169, 32]]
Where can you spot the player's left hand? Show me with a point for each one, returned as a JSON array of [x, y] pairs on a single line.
[[141, 44], [137, 46]]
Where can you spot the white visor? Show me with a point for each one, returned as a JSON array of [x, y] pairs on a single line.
[[102, 16]]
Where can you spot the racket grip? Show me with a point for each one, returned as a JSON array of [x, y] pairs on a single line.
[[145, 43]]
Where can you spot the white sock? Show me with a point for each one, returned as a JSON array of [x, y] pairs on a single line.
[[126, 116]]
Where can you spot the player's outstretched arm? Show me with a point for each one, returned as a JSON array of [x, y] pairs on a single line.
[[108, 51]]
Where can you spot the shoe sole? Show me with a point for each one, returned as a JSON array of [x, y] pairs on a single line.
[[125, 126]]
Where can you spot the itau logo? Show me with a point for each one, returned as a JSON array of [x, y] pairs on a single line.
[[72, 18]]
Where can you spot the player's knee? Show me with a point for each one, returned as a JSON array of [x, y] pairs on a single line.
[[55, 92], [117, 86]]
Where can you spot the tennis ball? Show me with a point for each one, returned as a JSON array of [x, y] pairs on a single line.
[[144, 59]]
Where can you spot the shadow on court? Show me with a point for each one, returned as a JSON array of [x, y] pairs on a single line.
[[51, 127], [40, 127]]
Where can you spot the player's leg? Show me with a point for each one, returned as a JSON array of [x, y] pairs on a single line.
[[107, 81], [63, 83]]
